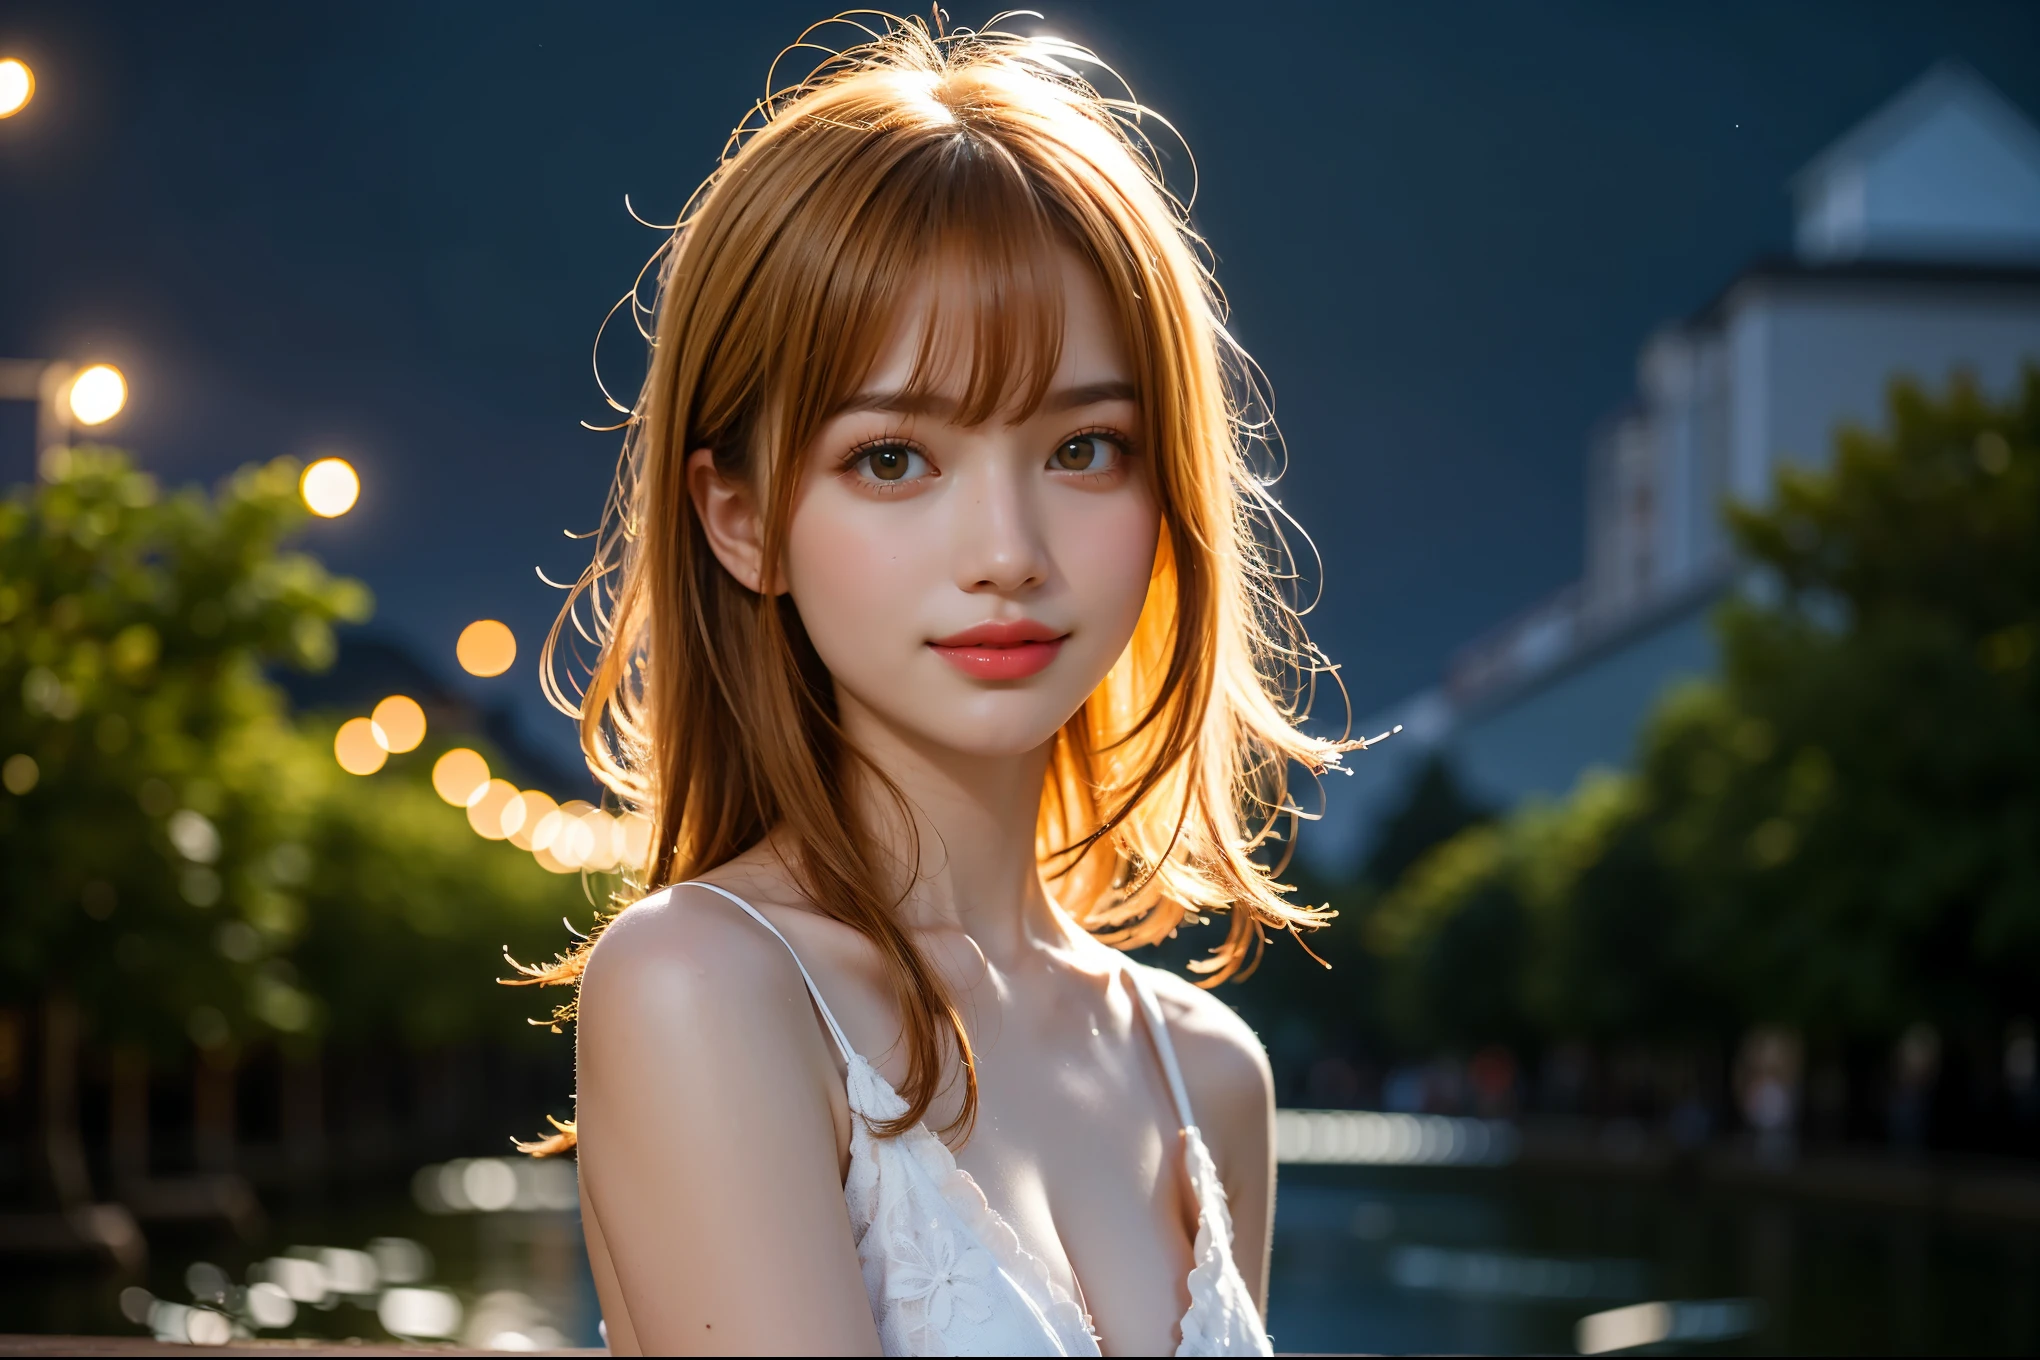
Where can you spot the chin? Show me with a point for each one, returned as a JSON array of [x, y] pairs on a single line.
[[990, 731], [989, 725]]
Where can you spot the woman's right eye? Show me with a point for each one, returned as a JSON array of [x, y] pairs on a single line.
[[890, 465]]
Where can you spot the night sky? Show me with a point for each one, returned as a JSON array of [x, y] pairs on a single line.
[[389, 232]]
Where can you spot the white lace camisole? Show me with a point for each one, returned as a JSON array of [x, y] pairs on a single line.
[[947, 1275]]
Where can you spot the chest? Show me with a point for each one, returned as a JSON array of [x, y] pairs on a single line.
[[1079, 1152]]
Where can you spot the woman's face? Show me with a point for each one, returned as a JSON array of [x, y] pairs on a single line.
[[970, 586]]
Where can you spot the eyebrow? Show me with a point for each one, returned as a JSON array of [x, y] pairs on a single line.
[[932, 404]]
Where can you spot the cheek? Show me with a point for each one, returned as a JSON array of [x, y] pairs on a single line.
[[853, 575], [1106, 549]]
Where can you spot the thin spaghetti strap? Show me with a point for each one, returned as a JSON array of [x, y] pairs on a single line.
[[828, 1018], [1159, 1029]]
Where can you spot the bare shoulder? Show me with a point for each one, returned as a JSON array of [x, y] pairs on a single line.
[[1223, 1062], [679, 935], [686, 963], [713, 1137]]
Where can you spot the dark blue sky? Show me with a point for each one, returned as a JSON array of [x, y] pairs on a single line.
[[389, 231]]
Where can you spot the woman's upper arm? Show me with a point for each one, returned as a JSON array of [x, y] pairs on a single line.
[[708, 1142], [1246, 1160]]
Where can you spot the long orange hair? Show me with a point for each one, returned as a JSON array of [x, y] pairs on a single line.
[[707, 709]]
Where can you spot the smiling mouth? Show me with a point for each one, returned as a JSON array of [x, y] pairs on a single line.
[[1001, 651]]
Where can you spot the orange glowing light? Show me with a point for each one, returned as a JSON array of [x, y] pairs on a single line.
[[634, 836], [564, 834], [575, 843], [401, 722], [330, 487], [98, 394], [552, 863], [487, 808], [535, 808], [605, 842], [460, 775], [17, 86], [486, 648], [358, 747]]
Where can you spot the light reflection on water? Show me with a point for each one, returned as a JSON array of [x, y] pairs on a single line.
[[355, 1266], [1407, 1259], [1378, 1259]]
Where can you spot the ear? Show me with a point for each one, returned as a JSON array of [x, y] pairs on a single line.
[[729, 517]]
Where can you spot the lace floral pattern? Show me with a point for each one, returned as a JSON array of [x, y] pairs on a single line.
[[937, 1278], [939, 1262], [1222, 1319], [945, 1274]]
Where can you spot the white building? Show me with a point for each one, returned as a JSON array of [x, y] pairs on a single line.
[[1917, 253]]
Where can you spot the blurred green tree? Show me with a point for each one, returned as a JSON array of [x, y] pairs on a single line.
[[410, 913], [1838, 833], [1851, 809], [1477, 937], [183, 861], [1435, 808], [156, 787]]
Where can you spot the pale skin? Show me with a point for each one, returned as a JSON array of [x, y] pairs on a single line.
[[714, 1129]]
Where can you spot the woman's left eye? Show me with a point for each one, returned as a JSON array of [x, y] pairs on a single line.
[[889, 465], [1086, 453]]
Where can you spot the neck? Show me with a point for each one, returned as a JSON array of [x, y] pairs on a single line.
[[965, 836]]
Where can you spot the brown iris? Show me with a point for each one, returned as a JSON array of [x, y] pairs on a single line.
[[1079, 454], [889, 462]]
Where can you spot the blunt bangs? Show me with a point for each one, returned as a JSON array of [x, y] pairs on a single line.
[[959, 239]]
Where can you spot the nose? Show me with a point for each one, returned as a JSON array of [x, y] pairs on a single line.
[[999, 544]]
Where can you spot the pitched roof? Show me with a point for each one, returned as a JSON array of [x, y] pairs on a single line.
[[1947, 82]]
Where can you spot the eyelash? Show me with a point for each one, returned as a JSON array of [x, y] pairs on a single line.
[[871, 446], [867, 447]]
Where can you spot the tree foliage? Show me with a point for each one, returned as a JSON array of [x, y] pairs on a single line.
[[1851, 809], [1479, 932], [177, 850], [1837, 833]]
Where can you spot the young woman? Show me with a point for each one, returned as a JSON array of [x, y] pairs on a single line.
[[938, 645]]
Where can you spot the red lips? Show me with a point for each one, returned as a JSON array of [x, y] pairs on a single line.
[[1001, 650]]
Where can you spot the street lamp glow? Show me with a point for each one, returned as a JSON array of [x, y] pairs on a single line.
[[97, 394], [17, 87], [330, 487]]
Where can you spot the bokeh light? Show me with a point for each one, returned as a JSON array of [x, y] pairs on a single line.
[[486, 647], [20, 773], [330, 487], [485, 813], [400, 722], [460, 775], [574, 843], [17, 86], [521, 823], [358, 747], [98, 394], [605, 842], [563, 841], [411, 1313], [634, 834]]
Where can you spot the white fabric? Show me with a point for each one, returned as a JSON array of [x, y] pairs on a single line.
[[946, 1275]]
